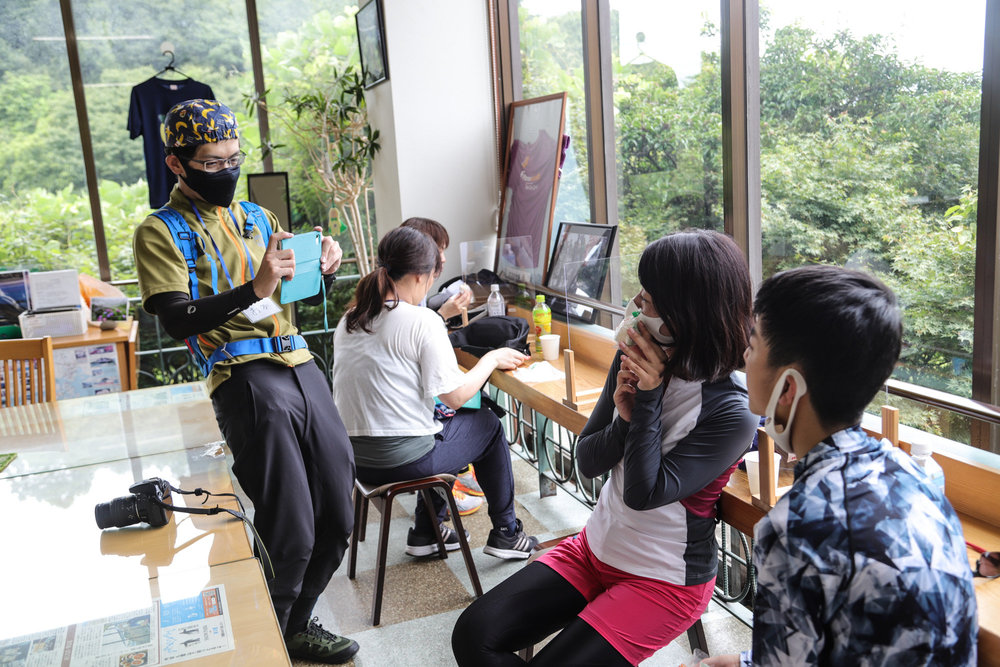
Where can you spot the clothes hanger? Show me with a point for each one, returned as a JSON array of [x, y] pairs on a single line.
[[170, 67]]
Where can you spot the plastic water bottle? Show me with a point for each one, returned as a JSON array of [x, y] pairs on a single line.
[[921, 453], [495, 305], [541, 316]]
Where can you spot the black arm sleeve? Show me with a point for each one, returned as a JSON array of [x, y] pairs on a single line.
[[602, 441], [317, 298], [183, 316]]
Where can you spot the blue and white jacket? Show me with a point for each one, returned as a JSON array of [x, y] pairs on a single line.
[[862, 562]]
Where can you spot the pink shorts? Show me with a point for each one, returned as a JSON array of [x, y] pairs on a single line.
[[637, 615]]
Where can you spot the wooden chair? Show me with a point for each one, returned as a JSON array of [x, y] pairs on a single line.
[[382, 497], [26, 371]]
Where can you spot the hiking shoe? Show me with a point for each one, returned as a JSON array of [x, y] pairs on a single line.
[[317, 644], [467, 483], [466, 504], [418, 544], [503, 544]]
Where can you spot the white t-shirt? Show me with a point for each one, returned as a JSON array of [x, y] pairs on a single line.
[[384, 383]]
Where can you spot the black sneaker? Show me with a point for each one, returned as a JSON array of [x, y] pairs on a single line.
[[418, 544], [502, 544], [317, 644]]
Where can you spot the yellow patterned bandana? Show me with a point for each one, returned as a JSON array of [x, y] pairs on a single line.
[[197, 122]]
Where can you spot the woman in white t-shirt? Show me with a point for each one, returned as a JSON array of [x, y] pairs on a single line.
[[391, 359]]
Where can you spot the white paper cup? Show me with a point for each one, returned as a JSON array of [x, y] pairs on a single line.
[[550, 346], [752, 459]]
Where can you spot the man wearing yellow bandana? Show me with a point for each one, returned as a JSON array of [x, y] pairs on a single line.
[[209, 268]]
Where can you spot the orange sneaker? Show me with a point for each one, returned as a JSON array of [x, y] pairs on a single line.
[[467, 483], [466, 504]]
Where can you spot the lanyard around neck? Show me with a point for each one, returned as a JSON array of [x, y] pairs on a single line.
[[218, 253]]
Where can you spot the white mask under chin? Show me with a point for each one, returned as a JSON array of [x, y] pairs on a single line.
[[653, 325], [782, 439]]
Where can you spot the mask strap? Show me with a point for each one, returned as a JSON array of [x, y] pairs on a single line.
[[779, 389]]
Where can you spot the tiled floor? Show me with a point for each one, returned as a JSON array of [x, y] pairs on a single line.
[[423, 598]]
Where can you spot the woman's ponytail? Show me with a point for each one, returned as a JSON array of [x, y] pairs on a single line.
[[400, 252]]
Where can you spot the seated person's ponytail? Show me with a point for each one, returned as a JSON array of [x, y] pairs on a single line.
[[400, 252]]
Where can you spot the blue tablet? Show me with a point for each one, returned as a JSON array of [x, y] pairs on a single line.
[[307, 280]]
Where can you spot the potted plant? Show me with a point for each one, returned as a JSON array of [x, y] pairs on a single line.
[[328, 121]]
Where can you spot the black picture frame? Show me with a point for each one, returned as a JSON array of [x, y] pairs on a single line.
[[584, 247], [270, 190], [371, 43]]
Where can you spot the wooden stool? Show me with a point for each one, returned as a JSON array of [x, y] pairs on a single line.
[[695, 634], [382, 496]]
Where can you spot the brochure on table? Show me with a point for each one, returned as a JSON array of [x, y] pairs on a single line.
[[87, 370], [161, 634]]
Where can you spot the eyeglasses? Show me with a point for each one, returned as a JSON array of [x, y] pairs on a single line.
[[988, 564], [218, 165]]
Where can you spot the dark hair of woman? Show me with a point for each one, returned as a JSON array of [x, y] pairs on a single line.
[[400, 252], [432, 228], [700, 284]]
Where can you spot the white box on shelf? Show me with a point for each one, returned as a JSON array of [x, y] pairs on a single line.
[[54, 289], [69, 322]]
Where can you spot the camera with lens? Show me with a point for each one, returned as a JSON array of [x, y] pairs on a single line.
[[144, 505]]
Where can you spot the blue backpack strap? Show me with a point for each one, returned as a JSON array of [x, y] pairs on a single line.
[[187, 242], [255, 218], [238, 348]]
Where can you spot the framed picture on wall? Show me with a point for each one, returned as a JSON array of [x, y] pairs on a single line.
[[371, 40], [534, 148], [270, 190], [579, 266]]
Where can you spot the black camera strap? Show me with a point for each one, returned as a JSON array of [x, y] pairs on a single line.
[[241, 515]]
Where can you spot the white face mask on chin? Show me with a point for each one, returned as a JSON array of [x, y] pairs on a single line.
[[782, 439]]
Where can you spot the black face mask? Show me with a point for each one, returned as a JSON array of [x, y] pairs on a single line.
[[217, 187]]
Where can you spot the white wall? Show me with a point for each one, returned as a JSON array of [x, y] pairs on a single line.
[[435, 115]]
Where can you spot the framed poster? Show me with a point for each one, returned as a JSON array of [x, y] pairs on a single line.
[[579, 266], [270, 190], [371, 41], [531, 168]]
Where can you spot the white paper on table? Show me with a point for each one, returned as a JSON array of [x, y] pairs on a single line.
[[540, 371]]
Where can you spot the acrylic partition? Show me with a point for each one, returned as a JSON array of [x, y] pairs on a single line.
[[474, 257], [593, 295]]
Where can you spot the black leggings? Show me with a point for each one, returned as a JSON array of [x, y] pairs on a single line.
[[523, 610]]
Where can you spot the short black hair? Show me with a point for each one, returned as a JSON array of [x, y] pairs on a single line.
[[185, 153], [432, 228], [700, 284], [844, 329]]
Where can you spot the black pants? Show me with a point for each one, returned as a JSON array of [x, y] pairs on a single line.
[[294, 461], [524, 609], [471, 436]]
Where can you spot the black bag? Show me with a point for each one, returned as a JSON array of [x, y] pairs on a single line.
[[491, 333]]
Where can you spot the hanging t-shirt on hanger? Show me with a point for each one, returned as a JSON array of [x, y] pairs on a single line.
[[151, 100]]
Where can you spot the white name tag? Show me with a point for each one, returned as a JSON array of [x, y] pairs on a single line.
[[262, 309]]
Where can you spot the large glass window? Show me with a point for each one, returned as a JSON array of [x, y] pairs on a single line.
[[44, 205], [551, 38], [668, 118], [869, 159], [120, 47]]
